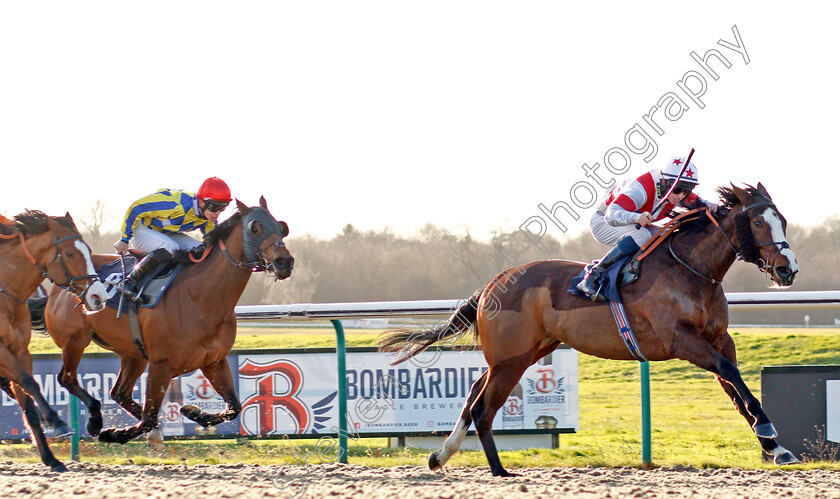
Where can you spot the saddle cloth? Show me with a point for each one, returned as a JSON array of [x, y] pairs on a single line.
[[615, 276], [154, 286]]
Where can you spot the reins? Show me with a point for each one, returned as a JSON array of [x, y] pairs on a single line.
[[739, 254], [253, 266]]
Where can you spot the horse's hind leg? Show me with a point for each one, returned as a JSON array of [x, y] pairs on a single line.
[[218, 374], [501, 379], [768, 442], [33, 421], [453, 442]]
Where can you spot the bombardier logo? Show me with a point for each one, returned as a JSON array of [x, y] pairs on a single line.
[[273, 406]]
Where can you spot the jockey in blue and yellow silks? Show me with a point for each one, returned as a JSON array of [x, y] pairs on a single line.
[[156, 224], [167, 211]]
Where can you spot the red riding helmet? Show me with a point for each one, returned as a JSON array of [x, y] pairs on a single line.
[[216, 189]]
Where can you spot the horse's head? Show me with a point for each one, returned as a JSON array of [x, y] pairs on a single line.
[[58, 250], [760, 231], [262, 238]]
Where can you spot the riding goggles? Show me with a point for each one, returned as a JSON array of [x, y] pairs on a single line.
[[214, 206], [683, 188]]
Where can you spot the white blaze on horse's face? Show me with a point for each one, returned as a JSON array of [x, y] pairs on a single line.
[[777, 232], [96, 293]]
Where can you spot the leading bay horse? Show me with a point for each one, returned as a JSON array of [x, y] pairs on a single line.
[[34, 247], [192, 327], [676, 308]]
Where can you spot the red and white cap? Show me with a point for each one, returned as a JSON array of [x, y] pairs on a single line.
[[672, 170]]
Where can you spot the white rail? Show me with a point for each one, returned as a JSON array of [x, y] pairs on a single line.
[[779, 300]]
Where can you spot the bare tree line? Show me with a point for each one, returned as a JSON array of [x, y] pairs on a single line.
[[436, 263]]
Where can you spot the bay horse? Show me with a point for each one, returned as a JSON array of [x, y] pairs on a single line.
[[192, 327], [677, 309], [34, 247]]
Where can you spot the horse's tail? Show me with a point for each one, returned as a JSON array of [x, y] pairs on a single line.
[[412, 342], [37, 306]]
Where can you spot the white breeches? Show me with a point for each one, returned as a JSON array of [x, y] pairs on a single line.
[[148, 240]]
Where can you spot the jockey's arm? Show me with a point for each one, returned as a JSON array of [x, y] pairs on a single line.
[[148, 209], [618, 213], [693, 201], [617, 216]]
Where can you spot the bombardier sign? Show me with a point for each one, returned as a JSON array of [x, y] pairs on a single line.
[[294, 393]]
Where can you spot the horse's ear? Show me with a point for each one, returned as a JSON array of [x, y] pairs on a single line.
[[741, 194], [242, 207], [70, 220], [263, 204], [284, 228], [763, 191]]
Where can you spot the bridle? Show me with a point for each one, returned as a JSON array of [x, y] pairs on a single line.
[[763, 265], [259, 263], [749, 252], [76, 289], [254, 248]]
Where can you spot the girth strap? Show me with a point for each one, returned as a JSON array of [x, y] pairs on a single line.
[[136, 335], [624, 330]]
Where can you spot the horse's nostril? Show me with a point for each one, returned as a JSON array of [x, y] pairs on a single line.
[[783, 271]]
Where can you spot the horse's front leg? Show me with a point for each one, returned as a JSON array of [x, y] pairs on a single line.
[[690, 346], [18, 370], [32, 419], [71, 356], [131, 368], [764, 429], [159, 377], [218, 373]]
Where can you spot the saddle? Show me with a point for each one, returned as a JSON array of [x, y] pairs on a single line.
[[151, 288], [628, 269]]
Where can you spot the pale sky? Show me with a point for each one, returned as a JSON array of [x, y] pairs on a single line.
[[387, 113]]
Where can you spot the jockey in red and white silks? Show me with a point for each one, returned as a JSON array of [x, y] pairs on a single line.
[[632, 203], [626, 205]]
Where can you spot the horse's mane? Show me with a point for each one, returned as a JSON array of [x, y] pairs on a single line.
[[221, 231], [32, 222], [728, 200]]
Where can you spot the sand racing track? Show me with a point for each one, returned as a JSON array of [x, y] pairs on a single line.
[[334, 480]]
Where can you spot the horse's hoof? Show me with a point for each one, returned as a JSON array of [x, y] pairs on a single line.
[[155, 440], [111, 436], [503, 473], [766, 430], [785, 458], [58, 467], [62, 430], [191, 412], [434, 464], [93, 428]]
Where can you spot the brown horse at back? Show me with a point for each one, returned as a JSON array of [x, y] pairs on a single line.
[[677, 309], [33, 247], [192, 327]]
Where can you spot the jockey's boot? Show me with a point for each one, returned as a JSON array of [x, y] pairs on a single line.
[[590, 285], [141, 270]]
